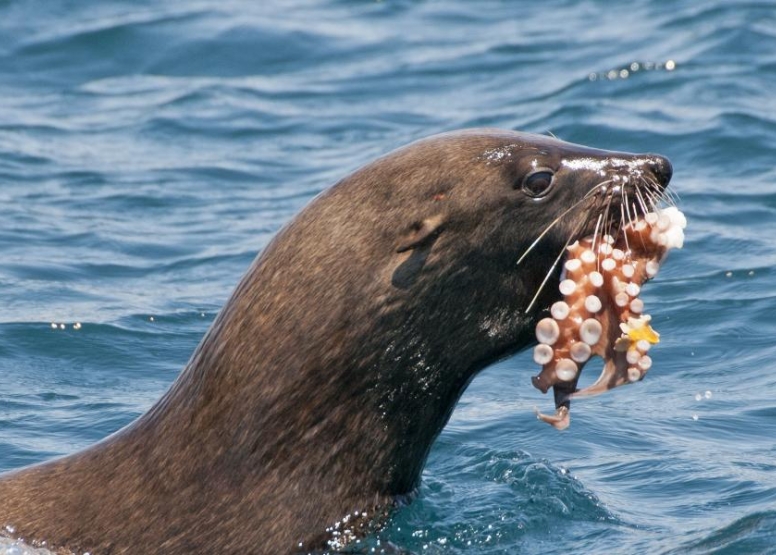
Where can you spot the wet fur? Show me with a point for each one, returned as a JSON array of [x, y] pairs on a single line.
[[319, 389]]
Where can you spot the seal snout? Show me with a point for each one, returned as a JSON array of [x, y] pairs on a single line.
[[661, 168]]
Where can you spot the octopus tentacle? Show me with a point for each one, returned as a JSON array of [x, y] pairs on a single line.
[[601, 313]]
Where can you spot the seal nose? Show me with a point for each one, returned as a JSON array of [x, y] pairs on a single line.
[[661, 167]]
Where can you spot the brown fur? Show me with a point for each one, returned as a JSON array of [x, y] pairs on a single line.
[[323, 382]]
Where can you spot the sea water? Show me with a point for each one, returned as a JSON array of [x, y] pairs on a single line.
[[148, 151]]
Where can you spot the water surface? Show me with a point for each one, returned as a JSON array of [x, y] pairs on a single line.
[[148, 151]]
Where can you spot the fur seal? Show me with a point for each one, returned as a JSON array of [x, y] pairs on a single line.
[[313, 400]]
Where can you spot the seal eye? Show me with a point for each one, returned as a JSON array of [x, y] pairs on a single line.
[[537, 184]]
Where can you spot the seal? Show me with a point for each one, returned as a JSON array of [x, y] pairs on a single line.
[[312, 402]]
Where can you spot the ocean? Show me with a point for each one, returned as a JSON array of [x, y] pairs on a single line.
[[149, 150]]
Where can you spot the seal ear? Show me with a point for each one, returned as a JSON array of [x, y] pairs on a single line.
[[420, 240], [423, 232]]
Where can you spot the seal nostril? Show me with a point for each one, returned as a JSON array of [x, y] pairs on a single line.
[[661, 167]]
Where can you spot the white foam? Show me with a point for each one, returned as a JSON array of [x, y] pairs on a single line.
[[15, 547]]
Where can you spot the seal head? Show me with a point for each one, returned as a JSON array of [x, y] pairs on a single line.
[[317, 392]]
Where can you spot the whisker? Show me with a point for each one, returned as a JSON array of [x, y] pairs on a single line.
[[635, 212], [608, 214], [666, 194], [625, 235], [605, 229], [551, 225], [594, 189], [673, 196], [552, 268], [595, 232], [642, 197], [642, 203], [626, 204], [651, 191]]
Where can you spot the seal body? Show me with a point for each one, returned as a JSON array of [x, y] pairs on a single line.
[[317, 392]]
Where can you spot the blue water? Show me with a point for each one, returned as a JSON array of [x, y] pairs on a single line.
[[148, 151]]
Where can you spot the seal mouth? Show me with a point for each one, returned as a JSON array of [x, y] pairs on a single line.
[[601, 312], [617, 247]]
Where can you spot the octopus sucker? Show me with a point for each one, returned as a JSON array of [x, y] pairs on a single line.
[[601, 313]]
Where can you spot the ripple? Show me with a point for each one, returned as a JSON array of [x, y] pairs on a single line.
[[749, 534], [147, 152], [527, 498]]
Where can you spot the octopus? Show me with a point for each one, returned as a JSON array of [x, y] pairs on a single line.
[[601, 313]]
